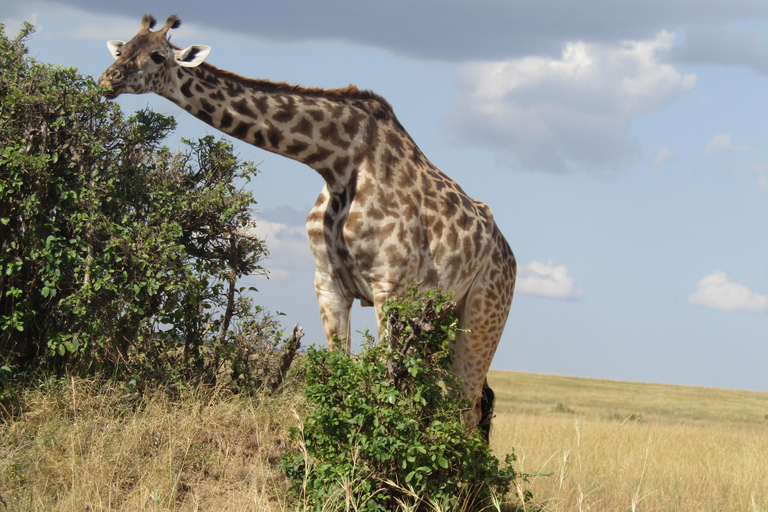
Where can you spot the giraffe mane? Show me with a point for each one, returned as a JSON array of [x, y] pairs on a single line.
[[350, 92]]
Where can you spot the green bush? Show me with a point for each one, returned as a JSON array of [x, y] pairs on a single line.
[[117, 255], [385, 431]]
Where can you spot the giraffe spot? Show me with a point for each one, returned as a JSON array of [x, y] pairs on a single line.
[[226, 120], [242, 129], [395, 258], [354, 222], [296, 148], [327, 175], [217, 96], [341, 164], [352, 124], [303, 127], [410, 212], [416, 156], [467, 246], [207, 106], [386, 231], [274, 135], [241, 107], [285, 112], [452, 238], [375, 213], [365, 259], [318, 156], [364, 191], [204, 116], [330, 133], [258, 139], [186, 88], [478, 237], [261, 103], [209, 79], [322, 198], [395, 141], [199, 88], [406, 180], [233, 89], [316, 114], [450, 206]]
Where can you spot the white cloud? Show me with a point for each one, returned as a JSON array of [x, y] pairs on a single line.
[[759, 169], [715, 291], [665, 154], [546, 280], [724, 142], [573, 112], [288, 249]]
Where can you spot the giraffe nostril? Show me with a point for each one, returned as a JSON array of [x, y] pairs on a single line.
[[111, 76]]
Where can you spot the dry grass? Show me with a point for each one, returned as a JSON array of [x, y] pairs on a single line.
[[84, 447], [608, 446], [614, 446]]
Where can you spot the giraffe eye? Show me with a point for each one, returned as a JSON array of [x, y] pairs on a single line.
[[157, 57]]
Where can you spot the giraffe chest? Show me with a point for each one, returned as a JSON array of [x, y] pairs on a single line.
[[363, 248]]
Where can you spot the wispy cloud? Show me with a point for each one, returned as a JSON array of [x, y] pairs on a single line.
[[546, 280], [572, 112], [665, 154], [759, 170], [724, 143], [716, 291], [288, 249]]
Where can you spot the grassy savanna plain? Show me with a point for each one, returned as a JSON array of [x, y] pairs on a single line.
[[614, 446], [75, 445]]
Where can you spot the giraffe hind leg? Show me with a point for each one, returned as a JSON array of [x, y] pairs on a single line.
[[486, 412]]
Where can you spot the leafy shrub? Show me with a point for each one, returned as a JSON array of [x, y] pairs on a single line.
[[117, 255], [385, 431]]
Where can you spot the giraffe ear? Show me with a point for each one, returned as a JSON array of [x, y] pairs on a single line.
[[193, 56], [115, 48]]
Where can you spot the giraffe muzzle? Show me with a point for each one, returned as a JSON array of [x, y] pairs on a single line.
[[112, 78]]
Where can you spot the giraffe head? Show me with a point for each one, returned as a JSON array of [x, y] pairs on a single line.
[[146, 63]]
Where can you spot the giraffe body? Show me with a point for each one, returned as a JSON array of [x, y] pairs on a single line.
[[386, 218]]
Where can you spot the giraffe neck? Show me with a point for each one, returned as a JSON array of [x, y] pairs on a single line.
[[325, 129]]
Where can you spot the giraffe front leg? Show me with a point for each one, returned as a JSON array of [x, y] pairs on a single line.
[[382, 292], [334, 311]]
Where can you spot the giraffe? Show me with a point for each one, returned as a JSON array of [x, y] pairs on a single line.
[[386, 218]]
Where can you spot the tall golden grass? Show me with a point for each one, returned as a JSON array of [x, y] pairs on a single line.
[[606, 446], [618, 446], [92, 446]]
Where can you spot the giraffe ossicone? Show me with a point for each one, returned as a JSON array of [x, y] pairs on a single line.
[[386, 218]]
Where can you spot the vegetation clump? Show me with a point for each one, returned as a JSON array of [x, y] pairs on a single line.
[[118, 256], [385, 432]]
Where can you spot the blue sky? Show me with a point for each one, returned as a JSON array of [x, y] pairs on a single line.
[[622, 146]]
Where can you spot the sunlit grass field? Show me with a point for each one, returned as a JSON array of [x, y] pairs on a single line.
[[615, 446], [603, 446]]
